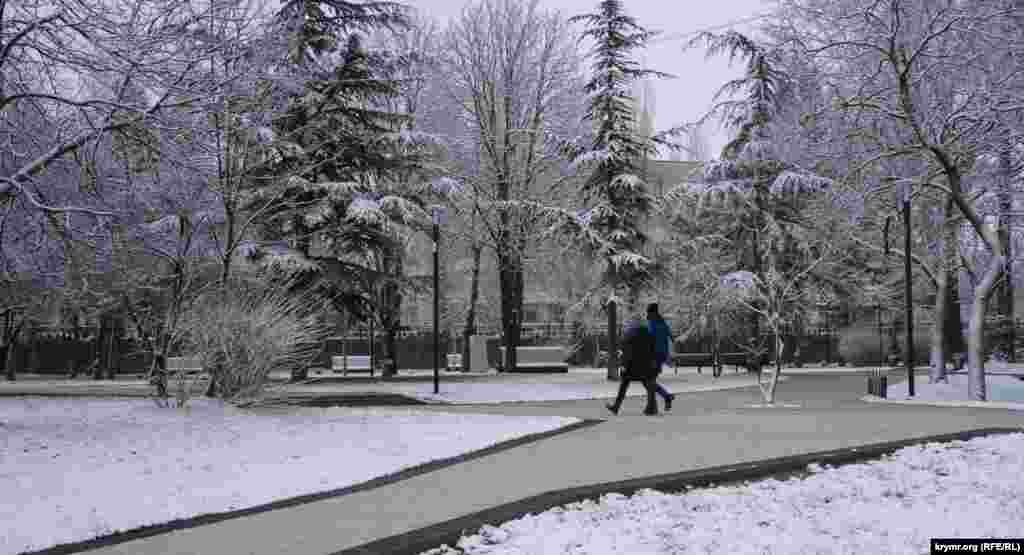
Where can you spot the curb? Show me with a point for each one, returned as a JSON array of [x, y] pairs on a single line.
[[940, 403], [337, 400], [212, 518], [604, 397], [449, 532]]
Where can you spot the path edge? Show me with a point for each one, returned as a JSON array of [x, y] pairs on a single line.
[[448, 533]]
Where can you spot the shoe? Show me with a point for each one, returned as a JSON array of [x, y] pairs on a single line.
[[650, 413], [613, 409], [668, 402]]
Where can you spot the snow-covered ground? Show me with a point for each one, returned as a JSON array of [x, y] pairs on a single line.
[[73, 469], [893, 506], [999, 389]]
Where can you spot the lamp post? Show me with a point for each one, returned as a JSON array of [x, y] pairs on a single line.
[[438, 216], [903, 191]]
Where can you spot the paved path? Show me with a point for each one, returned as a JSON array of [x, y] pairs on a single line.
[[705, 429]]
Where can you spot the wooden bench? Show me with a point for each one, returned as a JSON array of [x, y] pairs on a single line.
[[538, 359], [351, 363], [739, 360], [699, 360], [188, 365]]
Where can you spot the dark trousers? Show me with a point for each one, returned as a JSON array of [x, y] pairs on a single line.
[[660, 389], [649, 385]]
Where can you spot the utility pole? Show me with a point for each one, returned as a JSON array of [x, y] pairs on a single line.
[[437, 216], [908, 356]]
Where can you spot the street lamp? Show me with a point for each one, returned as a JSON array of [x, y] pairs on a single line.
[[903, 192], [438, 217]]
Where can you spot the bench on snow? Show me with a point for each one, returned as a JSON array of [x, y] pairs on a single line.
[[699, 360], [351, 363], [188, 365], [538, 359]]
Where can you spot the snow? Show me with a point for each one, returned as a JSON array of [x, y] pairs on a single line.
[[892, 505], [72, 469], [1000, 389]]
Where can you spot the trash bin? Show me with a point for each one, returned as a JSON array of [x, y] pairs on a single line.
[[877, 383]]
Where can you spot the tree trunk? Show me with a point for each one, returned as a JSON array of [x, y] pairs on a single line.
[[938, 356], [976, 329], [1008, 321], [954, 320], [768, 393], [511, 287], [391, 315], [944, 298], [111, 352], [613, 342], [474, 297], [99, 343], [13, 351]]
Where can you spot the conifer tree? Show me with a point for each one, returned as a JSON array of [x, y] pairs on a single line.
[[615, 193], [341, 154]]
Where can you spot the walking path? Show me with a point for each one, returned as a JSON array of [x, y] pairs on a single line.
[[705, 429]]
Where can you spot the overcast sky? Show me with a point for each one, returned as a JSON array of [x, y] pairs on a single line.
[[679, 100]]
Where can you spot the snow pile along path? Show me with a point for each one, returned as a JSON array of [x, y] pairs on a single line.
[[73, 469], [894, 505], [1000, 389]]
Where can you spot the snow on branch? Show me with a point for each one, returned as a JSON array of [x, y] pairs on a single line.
[[799, 182], [366, 210]]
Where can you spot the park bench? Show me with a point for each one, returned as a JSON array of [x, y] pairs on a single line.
[[351, 363], [699, 360], [538, 359], [739, 360], [188, 365]]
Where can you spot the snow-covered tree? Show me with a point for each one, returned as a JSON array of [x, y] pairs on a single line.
[[343, 155], [942, 79], [614, 194], [753, 193], [513, 71], [776, 297]]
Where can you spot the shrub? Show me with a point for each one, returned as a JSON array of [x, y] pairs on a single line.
[[858, 345], [244, 333]]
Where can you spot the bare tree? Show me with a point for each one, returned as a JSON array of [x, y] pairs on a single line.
[[775, 296], [512, 69], [927, 69]]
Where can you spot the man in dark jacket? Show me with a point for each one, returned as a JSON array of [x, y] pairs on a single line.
[[662, 349], [637, 364]]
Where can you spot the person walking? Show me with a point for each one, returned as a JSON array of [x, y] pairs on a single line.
[[662, 349], [638, 365]]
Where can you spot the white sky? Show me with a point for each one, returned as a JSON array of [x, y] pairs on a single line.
[[679, 100]]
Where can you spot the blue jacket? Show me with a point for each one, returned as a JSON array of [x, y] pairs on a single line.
[[662, 338]]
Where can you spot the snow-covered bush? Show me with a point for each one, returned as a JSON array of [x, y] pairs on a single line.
[[245, 332]]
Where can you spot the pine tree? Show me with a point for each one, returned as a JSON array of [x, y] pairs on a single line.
[[615, 193], [343, 156]]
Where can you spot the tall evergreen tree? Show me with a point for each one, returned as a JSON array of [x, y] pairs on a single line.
[[615, 193], [343, 155]]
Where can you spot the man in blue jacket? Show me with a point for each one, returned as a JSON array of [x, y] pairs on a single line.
[[662, 348]]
